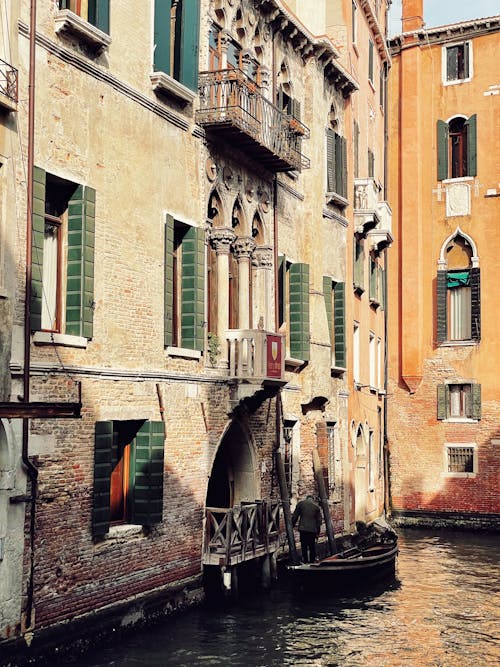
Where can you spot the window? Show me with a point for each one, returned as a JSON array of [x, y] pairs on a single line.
[[334, 293], [288, 427], [459, 401], [62, 271], [371, 461], [336, 163], [184, 285], [456, 148], [374, 293], [371, 163], [356, 149], [379, 363], [355, 347], [354, 34], [128, 474], [370, 61], [457, 63], [460, 460], [359, 264], [176, 40], [293, 303], [372, 359], [334, 462], [95, 12]]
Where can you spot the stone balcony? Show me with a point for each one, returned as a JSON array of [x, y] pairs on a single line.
[[233, 107], [8, 86], [372, 217]]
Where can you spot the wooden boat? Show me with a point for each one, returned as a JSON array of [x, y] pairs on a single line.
[[366, 558]]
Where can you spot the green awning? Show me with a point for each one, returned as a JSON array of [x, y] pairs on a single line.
[[458, 279]]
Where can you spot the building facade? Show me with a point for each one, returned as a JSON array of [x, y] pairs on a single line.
[[201, 284], [444, 353]]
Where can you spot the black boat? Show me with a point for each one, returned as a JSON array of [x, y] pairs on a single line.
[[366, 557]]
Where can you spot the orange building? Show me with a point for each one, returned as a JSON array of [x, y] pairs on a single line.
[[444, 350]]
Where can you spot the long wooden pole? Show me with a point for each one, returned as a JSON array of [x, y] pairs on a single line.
[[318, 473], [285, 501]]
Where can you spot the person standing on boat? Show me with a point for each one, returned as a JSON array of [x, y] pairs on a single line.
[[310, 523]]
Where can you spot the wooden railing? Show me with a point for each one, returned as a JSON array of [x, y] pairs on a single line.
[[237, 534], [229, 97], [251, 354], [8, 81]]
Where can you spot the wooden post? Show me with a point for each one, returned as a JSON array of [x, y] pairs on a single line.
[[318, 473], [285, 501]]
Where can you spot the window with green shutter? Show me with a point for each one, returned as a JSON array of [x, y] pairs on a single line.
[[334, 295], [299, 311], [336, 163], [374, 282], [370, 61], [359, 264], [457, 147], [128, 474], [176, 40], [184, 285], [459, 401], [63, 218]]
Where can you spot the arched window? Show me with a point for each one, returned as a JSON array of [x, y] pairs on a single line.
[[456, 144], [458, 294]]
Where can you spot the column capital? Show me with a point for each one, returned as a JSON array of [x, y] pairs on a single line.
[[221, 239], [243, 246], [262, 257]]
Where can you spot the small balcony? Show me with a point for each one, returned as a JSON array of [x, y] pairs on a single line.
[[365, 204], [8, 86], [381, 236], [233, 107], [256, 360]]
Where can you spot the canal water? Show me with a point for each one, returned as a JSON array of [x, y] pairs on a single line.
[[441, 610]]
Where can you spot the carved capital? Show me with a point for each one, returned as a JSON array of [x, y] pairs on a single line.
[[221, 239], [262, 257], [243, 246]]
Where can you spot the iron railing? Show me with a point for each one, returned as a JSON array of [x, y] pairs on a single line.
[[8, 81], [230, 98]]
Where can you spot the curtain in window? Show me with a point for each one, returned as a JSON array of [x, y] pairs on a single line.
[[49, 277], [460, 309]]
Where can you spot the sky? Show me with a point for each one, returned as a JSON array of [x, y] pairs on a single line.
[[441, 12]]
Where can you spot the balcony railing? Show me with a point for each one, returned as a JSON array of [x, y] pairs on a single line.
[[256, 355], [8, 85], [237, 534], [232, 104]]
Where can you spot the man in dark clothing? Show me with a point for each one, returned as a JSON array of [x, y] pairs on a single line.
[[309, 525]]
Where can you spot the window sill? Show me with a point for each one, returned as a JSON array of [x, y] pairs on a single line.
[[459, 343], [70, 23], [164, 84], [294, 363], [457, 81], [338, 370], [374, 303], [48, 338], [358, 289], [460, 420], [460, 179], [184, 352], [336, 199], [455, 475], [7, 104]]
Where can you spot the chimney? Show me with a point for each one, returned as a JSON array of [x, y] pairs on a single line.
[[413, 15]]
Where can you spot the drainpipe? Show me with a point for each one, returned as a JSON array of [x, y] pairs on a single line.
[[387, 469], [30, 468]]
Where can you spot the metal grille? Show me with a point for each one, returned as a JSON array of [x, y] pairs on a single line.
[[460, 459]]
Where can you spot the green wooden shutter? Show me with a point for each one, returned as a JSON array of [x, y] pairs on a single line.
[[344, 167], [442, 401], [340, 165], [442, 150], [161, 59], [38, 233], [98, 14], [330, 160], [339, 324], [281, 289], [193, 288], [475, 287], [476, 401], [168, 311], [104, 441], [370, 60], [442, 307], [147, 467], [472, 145], [80, 270], [373, 291], [381, 287], [187, 63], [295, 108], [327, 293], [359, 261], [299, 311]]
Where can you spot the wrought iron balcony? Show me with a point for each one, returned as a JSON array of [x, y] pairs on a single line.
[[232, 105], [8, 86]]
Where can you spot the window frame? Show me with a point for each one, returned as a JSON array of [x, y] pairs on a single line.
[[448, 446], [469, 400], [466, 44]]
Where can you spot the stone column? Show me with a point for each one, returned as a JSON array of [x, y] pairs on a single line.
[[262, 262], [221, 239], [243, 247]]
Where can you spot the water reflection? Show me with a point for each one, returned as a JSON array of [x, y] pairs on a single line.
[[442, 610]]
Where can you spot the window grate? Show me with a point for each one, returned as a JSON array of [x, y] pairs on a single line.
[[460, 459]]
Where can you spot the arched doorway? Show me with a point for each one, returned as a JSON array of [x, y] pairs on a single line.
[[360, 483], [233, 478]]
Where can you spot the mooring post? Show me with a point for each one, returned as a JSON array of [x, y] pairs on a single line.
[[285, 501], [318, 473]]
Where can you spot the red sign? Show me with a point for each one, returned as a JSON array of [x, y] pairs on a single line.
[[274, 356]]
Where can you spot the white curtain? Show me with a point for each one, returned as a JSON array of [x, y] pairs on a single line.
[[49, 278], [460, 313]]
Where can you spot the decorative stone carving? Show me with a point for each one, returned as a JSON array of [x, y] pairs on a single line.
[[221, 239], [457, 199], [211, 169], [360, 197], [262, 257], [243, 246]]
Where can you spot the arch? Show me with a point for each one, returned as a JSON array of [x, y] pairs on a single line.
[[443, 262], [456, 116], [238, 218], [215, 209], [6, 456], [233, 477], [258, 233]]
